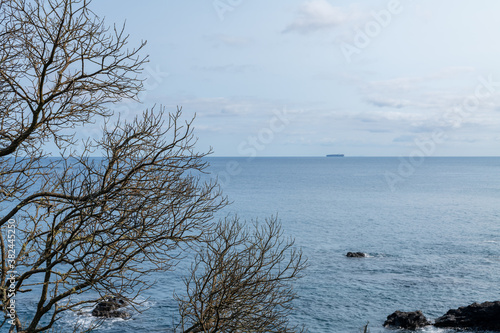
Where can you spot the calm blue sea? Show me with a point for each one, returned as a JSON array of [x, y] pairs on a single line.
[[433, 238]]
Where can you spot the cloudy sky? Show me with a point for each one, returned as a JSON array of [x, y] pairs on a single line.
[[313, 77]]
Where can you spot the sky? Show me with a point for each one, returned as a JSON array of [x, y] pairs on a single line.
[[317, 77]]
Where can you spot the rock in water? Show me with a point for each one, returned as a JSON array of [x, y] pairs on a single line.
[[407, 320], [484, 316], [108, 308], [355, 255]]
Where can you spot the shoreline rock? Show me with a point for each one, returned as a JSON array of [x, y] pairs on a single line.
[[483, 316], [477, 316], [407, 320], [108, 308]]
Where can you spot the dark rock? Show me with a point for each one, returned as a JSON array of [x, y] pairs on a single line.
[[109, 308], [484, 316], [407, 320], [356, 254]]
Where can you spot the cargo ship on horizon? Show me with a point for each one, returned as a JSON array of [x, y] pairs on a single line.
[[335, 155]]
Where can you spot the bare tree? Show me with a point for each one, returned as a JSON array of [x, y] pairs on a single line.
[[87, 224], [241, 280], [60, 67], [92, 228], [113, 221]]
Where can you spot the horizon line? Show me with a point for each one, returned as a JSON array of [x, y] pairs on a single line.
[[321, 156], [347, 156]]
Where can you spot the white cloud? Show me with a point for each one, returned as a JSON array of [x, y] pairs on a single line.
[[434, 94], [404, 138], [381, 101], [328, 141], [319, 14]]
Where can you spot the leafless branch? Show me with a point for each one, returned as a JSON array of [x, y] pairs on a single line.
[[99, 226], [241, 280]]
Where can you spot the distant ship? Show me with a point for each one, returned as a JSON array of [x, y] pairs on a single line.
[[335, 155]]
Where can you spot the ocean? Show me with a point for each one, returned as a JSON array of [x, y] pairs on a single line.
[[431, 231]]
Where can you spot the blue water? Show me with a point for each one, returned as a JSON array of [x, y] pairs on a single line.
[[433, 239]]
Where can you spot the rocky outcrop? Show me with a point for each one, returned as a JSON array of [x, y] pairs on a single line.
[[109, 308], [355, 255], [407, 320], [484, 316]]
